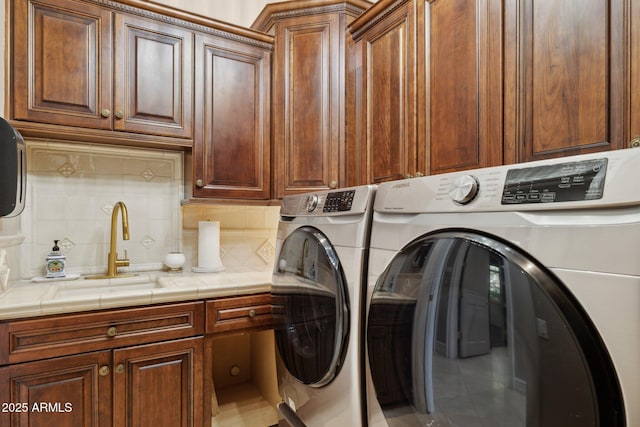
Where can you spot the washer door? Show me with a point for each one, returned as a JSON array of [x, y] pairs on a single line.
[[465, 330], [311, 307]]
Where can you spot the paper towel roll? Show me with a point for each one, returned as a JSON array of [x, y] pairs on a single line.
[[208, 247]]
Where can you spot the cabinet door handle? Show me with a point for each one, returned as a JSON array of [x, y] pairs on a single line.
[[419, 174], [252, 313], [103, 371], [120, 369], [105, 113], [635, 142], [408, 176], [199, 183], [119, 114], [112, 331], [333, 184]]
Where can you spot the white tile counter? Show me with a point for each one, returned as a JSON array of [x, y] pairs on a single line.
[[28, 299]]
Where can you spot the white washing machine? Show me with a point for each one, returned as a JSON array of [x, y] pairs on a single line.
[[507, 296], [318, 291]]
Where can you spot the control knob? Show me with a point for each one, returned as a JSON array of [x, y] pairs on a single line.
[[312, 202], [464, 189]]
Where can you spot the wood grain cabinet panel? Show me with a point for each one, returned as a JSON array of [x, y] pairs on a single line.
[[63, 72], [153, 77], [305, 87], [159, 384], [634, 72], [570, 77], [312, 58], [73, 391], [431, 98], [148, 372], [461, 126], [389, 109], [232, 146], [239, 313], [91, 67], [24, 340]]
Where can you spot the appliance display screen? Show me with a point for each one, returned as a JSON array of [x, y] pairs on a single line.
[[563, 182], [340, 201]]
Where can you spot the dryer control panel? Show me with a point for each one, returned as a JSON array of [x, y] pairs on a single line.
[[586, 181], [563, 182]]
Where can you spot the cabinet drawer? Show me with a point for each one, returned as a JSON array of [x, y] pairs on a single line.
[[245, 312], [53, 336]]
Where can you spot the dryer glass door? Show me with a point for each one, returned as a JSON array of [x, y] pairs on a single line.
[[466, 330], [311, 307]]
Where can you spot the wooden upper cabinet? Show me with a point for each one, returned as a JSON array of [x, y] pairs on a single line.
[[431, 98], [460, 111], [389, 98], [309, 86], [93, 68], [307, 156], [231, 153], [153, 77], [63, 72], [571, 76], [634, 73]]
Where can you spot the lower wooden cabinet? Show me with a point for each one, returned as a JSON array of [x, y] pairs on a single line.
[[158, 385], [154, 366], [72, 391]]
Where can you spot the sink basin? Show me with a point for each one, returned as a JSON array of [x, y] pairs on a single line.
[[105, 286]]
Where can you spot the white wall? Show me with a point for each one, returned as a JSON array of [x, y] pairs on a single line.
[[239, 12]]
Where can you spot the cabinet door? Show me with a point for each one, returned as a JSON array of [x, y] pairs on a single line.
[[307, 101], [567, 77], [153, 77], [72, 391], [389, 97], [159, 385], [63, 72], [463, 106], [634, 72], [231, 154]]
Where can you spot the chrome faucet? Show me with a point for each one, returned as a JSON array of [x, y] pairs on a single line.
[[113, 261]]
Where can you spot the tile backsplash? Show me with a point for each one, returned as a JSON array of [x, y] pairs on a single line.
[[72, 189]]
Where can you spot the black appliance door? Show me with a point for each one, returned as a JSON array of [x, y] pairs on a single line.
[[466, 330], [311, 307]]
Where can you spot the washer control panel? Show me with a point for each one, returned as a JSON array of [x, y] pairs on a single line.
[[339, 201], [346, 201], [562, 182]]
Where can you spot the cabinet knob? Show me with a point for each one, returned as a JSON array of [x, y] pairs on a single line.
[[103, 371], [199, 183], [119, 114], [419, 174], [120, 369], [635, 142], [105, 113], [112, 331], [252, 313], [408, 176], [333, 184]]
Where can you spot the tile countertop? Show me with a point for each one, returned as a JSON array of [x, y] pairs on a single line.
[[28, 299]]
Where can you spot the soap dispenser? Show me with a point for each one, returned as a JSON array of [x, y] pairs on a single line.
[[55, 262]]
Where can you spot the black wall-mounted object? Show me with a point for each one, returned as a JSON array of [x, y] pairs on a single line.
[[13, 170]]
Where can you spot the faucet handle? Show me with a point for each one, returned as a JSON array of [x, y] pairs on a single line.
[[122, 262]]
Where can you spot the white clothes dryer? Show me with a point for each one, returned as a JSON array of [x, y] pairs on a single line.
[[507, 296], [318, 299]]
